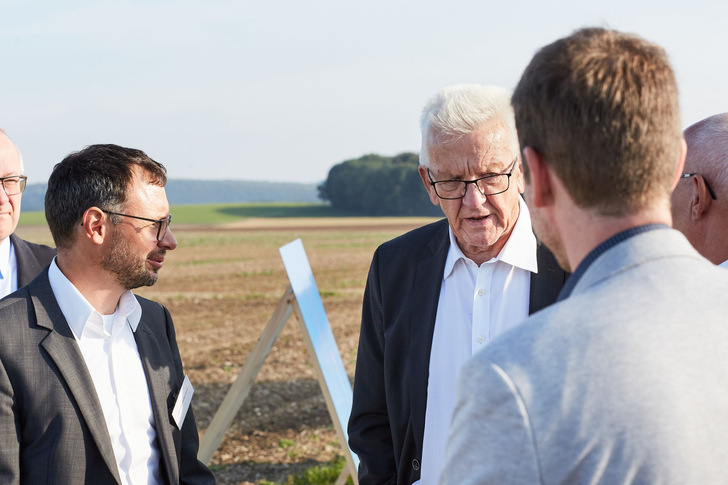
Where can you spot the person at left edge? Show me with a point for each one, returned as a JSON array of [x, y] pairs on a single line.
[[20, 260], [89, 372], [440, 293]]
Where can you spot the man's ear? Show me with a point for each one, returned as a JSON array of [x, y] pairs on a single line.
[[428, 186], [700, 199], [539, 178], [93, 224]]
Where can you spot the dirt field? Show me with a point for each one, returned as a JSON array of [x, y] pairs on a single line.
[[221, 285]]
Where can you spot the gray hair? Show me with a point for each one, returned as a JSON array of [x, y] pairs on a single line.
[[708, 149], [461, 109]]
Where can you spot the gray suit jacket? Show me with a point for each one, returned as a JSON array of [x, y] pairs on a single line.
[[625, 381], [31, 258], [51, 422]]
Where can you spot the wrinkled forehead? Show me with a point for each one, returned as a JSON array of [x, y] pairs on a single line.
[[486, 150]]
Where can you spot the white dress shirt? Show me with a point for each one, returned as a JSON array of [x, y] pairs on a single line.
[[476, 304], [8, 268], [112, 358]]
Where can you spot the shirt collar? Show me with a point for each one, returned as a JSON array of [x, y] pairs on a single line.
[[6, 253], [519, 250], [78, 310]]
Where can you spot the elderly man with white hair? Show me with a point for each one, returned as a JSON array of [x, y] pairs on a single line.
[[700, 200], [440, 293]]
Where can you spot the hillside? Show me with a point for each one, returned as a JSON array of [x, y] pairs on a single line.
[[208, 192]]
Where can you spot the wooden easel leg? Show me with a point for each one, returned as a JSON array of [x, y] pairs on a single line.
[[344, 475], [241, 387]]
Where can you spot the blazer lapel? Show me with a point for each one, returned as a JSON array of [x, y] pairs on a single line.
[[547, 283], [28, 264], [61, 346], [425, 297], [158, 380]]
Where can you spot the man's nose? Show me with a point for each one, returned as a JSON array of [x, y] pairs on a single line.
[[473, 195], [168, 242]]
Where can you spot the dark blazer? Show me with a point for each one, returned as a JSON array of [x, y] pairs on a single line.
[[51, 421], [387, 421], [31, 258]]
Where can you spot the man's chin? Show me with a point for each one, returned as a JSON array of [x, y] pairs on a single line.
[[147, 279], [151, 279]]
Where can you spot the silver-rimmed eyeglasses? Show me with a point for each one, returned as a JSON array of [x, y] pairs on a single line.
[[14, 185], [491, 184]]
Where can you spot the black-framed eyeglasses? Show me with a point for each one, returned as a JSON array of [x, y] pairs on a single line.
[[707, 185], [491, 184], [14, 185], [162, 224]]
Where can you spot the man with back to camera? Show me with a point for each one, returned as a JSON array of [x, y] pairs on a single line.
[[20, 260], [700, 200], [91, 382], [625, 378], [438, 294]]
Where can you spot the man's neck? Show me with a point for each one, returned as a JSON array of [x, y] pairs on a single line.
[[96, 285], [584, 230]]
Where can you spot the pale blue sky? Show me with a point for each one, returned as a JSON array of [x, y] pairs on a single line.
[[283, 90]]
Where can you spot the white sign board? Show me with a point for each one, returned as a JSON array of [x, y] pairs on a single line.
[[319, 332]]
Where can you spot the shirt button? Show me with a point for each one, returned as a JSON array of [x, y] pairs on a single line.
[[481, 292], [481, 340], [415, 464]]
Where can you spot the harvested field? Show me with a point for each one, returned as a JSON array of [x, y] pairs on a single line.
[[221, 286]]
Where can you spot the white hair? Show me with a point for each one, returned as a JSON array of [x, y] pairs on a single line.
[[708, 149], [463, 108]]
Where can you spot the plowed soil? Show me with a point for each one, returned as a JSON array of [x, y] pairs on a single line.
[[221, 286]]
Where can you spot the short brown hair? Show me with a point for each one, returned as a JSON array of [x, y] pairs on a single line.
[[97, 176], [602, 108]]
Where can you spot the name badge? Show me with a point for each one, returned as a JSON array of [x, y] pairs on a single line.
[[183, 402]]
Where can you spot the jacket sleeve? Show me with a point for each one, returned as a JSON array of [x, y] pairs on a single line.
[[10, 449], [370, 436], [491, 439]]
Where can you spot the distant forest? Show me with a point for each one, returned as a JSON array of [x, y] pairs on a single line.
[[208, 192], [371, 185], [378, 186]]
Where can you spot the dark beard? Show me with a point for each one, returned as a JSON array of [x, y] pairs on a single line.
[[130, 272]]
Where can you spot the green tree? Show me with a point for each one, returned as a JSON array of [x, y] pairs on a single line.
[[380, 186]]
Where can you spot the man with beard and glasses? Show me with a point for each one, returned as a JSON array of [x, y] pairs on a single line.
[[699, 207], [91, 382]]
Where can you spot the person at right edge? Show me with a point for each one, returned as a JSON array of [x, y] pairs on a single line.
[[624, 380], [700, 201]]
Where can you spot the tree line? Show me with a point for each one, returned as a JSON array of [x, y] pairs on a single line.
[[378, 186]]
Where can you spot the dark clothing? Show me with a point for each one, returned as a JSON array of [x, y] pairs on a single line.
[[387, 422]]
